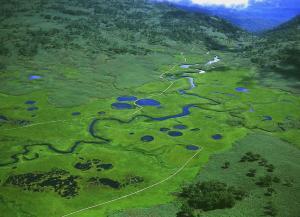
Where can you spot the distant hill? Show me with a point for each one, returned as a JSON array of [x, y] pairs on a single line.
[[258, 17], [286, 31]]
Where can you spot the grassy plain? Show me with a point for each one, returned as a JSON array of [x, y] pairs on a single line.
[[220, 110]]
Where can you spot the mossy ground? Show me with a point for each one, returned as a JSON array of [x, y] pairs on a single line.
[[220, 110]]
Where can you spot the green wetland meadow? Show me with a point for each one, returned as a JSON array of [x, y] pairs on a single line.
[[138, 109]]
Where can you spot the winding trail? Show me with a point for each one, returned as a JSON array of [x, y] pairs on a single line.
[[138, 191]]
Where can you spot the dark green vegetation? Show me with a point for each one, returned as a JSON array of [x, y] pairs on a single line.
[[261, 180], [67, 141], [278, 50], [210, 196], [266, 168], [61, 182]]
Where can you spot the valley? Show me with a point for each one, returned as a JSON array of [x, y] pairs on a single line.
[[104, 115]]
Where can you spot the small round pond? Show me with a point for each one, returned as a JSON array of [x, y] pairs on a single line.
[[241, 89], [217, 136], [147, 138], [32, 108], [76, 113], [30, 102], [267, 118], [192, 147], [164, 129], [34, 77], [180, 127], [175, 133]]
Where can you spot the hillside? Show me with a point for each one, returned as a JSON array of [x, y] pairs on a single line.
[[87, 38], [278, 50], [290, 29]]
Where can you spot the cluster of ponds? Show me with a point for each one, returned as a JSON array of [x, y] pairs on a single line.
[[131, 102], [96, 163], [176, 132], [31, 104]]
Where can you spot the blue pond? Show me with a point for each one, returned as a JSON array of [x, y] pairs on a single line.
[[76, 113], [217, 136], [192, 147], [147, 138], [32, 108], [121, 106], [164, 129], [126, 98], [267, 118], [180, 127], [34, 77], [175, 133], [147, 102], [30, 102], [242, 89]]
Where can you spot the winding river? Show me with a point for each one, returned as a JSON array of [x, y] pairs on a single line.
[[101, 140]]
